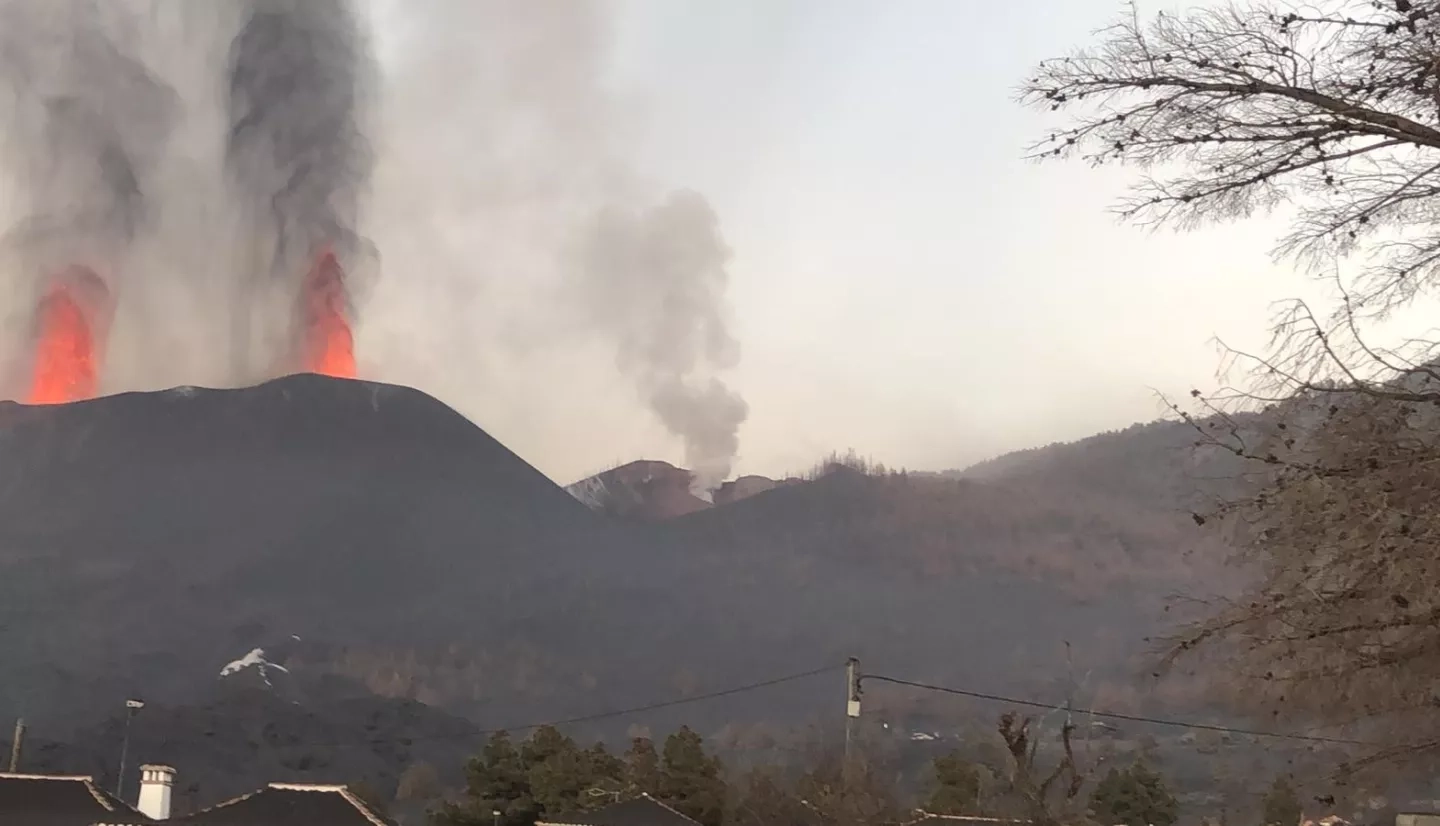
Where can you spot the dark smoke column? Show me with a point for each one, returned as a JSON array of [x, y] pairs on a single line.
[[85, 124], [300, 71]]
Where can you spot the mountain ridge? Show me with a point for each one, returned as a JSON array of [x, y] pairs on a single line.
[[147, 540]]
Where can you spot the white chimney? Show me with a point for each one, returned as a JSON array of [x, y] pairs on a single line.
[[155, 784]]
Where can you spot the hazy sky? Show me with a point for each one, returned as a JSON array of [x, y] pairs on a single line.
[[903, 283]]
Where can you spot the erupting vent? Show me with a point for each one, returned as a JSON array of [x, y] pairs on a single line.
[[70, 323], [328, 345]]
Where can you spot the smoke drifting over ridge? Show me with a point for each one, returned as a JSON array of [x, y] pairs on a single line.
[[656, 282], [197, 155], [534, 192]]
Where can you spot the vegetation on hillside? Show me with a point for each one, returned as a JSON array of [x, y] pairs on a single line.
[[550, 776]]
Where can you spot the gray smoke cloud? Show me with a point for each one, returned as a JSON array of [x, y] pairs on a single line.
[[120, 117], [502, 134], [86, 122], [194, 153], [655, 281], [300, 79]]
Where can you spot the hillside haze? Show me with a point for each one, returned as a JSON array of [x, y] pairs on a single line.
[[367, 534]]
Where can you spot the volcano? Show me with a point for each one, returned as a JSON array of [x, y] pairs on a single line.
[[147, 540]]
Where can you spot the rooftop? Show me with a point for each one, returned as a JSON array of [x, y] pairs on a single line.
[[641, 811], [62, 800]]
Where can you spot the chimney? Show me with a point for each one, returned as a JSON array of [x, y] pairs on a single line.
[[155, 784]]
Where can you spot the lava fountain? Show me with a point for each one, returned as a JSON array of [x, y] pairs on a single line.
[[327, 344], [70, 327]]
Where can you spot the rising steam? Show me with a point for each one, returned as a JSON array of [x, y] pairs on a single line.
[[655, 281], [511, 190]]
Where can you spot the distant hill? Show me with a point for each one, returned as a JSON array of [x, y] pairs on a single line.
[[148, 539], [653, 491], [1156, 465]]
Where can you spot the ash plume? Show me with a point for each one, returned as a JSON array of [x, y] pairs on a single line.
[[195, 154], [300, 76], [512, 190], [655, 282], [86, 123]]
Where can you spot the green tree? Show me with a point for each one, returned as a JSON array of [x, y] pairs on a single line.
[[642, 767], [565, 778], [690, 779], [495, 781], [847, 795], [1282, 805], [956, 786], [1135, 797], [762, 797], [548, 775]]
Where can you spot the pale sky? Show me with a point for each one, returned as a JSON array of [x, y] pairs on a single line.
[[903, 283]]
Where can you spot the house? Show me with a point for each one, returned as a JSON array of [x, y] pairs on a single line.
[[641, 811], [924, 818], [289, 804], [62, 800]]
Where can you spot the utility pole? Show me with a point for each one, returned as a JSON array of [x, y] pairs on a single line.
[[1069, 685], [852, 703], [131, 706], [15, 745]]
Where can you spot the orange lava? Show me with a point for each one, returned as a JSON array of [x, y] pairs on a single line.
[[328, 345], [66, 361]]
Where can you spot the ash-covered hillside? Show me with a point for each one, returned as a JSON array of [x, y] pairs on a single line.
[[148, 539]]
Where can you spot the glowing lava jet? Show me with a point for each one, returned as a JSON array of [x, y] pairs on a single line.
[[327, 345], [71, 322]]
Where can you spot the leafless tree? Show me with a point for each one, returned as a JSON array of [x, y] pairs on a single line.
[[1326, 113], [1045, 796], [1240, 109]]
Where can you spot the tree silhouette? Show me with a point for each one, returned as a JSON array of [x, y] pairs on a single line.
[[1331, 110], [1282, 805], [495, 781], [1134, 797], [642, 767], [956, 786], [690, 779], [1233, 110]]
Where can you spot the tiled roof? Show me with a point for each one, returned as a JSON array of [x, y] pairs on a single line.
[[924, 818], [642, 811], [62, 800], [284, 804]]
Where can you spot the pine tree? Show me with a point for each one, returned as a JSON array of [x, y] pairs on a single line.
[[762, 797], [690, 779], [642, 768], [1282, 805], [564, 778], [956, 788], [495, 781], [1134, 797]]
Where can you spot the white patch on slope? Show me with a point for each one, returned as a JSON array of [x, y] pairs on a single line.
[[255, 659], [590, 491]]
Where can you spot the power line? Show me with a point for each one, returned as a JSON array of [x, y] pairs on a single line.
[[602, 715], [1134, 718], [669, 703]]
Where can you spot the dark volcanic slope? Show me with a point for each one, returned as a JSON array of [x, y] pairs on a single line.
[[148, 539], [158, 535]]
